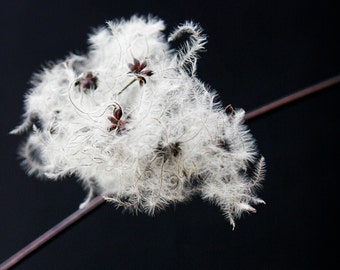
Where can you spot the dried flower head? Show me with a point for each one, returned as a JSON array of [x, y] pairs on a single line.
[[86, 82], [137, 69], [117, 123], [143, 147]]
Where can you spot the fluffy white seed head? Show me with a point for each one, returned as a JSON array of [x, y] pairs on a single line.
[[131, 120]]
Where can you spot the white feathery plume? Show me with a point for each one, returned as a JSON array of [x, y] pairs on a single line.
[[132, 121]]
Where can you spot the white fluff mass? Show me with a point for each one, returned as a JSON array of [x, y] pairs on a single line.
[[132, 121]]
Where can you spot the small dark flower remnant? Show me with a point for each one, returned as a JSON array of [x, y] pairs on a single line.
[[168, 151], [137, 69], [223, 143], [229, 110], [87, 82], [116, 121]]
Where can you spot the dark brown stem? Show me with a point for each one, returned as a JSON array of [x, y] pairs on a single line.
[[54, 231], [99, 200], [293, 97]]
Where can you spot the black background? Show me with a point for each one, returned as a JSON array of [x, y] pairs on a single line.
[[258, 51]]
